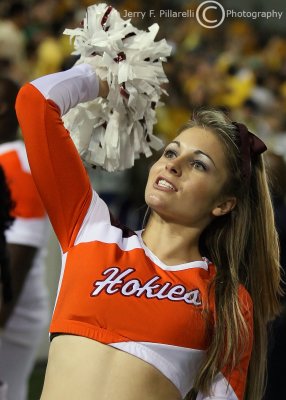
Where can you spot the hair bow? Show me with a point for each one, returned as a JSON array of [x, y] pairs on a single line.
[[250, 146]]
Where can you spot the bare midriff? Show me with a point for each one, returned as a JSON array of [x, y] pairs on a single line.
[[84, 369]]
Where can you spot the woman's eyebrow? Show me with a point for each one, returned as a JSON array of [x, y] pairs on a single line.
[[200, 152], [175, 142]]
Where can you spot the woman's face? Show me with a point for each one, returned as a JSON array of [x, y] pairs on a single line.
[[185, 185]]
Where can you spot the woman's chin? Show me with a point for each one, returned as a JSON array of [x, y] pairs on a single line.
[[154, 202]]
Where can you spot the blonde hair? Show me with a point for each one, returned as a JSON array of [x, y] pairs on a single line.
[[244, 247]]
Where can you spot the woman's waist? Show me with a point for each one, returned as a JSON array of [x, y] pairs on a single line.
[[97, 371]]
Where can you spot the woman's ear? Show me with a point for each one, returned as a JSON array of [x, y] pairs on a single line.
[[224, 207]]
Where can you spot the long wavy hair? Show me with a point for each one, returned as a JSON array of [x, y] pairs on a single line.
[[243, 245]]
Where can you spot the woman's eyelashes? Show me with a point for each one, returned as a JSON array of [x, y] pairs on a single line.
[[170, 153], [197, 164]]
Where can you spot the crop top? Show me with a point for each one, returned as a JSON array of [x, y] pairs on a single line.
[[112, 288]]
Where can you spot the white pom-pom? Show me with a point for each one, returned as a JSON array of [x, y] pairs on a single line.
[[113, 132]]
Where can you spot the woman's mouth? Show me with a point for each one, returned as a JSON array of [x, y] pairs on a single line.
[[164, 184]]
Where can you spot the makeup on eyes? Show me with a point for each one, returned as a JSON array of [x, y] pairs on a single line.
[[169, 151]]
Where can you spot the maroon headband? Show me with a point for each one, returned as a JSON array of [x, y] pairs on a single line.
[[250, 146]]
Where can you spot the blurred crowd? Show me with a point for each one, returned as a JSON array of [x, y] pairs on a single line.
[[236, 66]]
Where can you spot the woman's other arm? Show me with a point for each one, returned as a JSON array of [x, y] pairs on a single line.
[[56, 167], [232, 385]]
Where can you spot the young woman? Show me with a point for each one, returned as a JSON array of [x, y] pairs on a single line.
[[179, 309], [24, 319]]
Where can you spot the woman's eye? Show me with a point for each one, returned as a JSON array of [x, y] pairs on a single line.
[[168, 153], [199, 165]]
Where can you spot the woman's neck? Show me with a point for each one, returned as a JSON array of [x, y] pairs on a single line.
[[171, 243]]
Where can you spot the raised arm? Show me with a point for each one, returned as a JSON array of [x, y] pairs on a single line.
[[56, 167]]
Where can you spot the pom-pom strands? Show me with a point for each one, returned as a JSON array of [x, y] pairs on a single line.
[[113, 132]]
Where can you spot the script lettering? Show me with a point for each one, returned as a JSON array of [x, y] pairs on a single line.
[[116, 282]]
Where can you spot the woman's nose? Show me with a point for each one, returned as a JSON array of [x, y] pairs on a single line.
[[174, 167]]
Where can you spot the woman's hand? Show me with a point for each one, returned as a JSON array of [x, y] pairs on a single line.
[[103, 88]]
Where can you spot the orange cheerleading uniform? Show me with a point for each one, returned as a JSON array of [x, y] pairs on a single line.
[[30, 228], [24, 193], [113, 289]]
